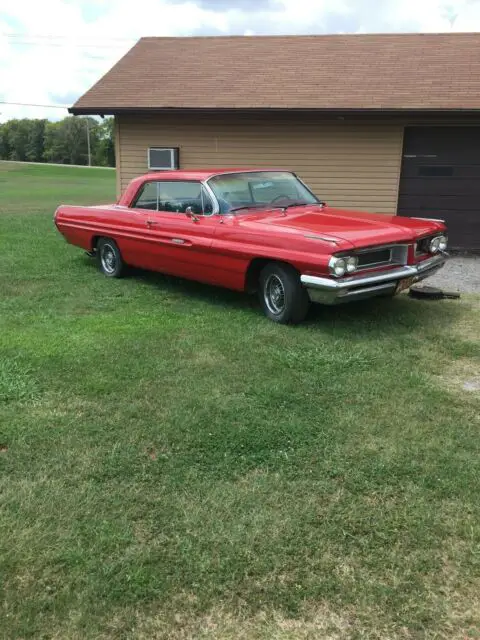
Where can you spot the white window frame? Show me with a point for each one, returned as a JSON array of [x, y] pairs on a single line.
[[174, 158]]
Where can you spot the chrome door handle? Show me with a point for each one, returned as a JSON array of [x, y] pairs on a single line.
[[150, 223]]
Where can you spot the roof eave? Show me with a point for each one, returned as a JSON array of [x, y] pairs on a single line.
[[112, 111]]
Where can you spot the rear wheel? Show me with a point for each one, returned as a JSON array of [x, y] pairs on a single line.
[[282, 296], [109, 258]]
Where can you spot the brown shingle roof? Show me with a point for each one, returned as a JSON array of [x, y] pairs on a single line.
[[338, 72]]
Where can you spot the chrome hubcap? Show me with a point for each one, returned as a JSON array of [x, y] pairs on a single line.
[[108, 258], [274, 294]]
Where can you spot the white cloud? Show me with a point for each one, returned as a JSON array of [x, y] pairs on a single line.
[[96, 33]]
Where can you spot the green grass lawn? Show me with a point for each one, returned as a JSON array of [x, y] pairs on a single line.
[[173, 465], [30, 188]]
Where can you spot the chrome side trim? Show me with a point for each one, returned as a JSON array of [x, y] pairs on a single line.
[[432, 219], [314, 236]]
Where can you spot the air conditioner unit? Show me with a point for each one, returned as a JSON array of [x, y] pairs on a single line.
[[163, 158]]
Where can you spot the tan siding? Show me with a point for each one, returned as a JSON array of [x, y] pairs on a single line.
[[118, 158], [347, 163]]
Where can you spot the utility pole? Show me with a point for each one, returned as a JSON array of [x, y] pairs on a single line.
[[88, 143]]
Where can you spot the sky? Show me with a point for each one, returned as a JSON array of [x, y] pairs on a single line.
[[52, 51]]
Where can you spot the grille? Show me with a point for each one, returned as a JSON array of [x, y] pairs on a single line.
[[370, 258], [381, 256]]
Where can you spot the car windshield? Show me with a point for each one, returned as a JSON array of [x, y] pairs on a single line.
[[259, 189]]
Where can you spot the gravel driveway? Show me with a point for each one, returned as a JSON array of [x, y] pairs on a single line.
[[461, 273]]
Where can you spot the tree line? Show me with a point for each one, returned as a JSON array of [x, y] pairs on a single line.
[[65, 142]]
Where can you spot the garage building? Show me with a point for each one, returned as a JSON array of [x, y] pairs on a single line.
[[386, 123]]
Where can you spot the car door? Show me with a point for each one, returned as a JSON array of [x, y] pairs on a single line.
[[131, 231], [180, 230]]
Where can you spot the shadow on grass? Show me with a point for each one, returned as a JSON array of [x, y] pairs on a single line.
[[400, 311]]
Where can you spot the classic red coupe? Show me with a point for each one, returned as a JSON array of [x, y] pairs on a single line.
[[256, 230]]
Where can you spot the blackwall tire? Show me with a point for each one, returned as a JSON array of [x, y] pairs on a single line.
[[282, 296], [109, 258]]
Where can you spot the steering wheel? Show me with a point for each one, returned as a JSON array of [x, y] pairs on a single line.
[[281, 197]]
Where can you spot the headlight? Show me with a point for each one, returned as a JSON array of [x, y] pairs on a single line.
[[434, 245], [439, 243], [338, 266], [352, 264], [443, 243]]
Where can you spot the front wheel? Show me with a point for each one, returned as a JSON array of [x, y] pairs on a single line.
[[109, 258], [282, 296]]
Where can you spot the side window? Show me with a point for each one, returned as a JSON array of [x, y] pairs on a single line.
[[175, 196], [147, 199]]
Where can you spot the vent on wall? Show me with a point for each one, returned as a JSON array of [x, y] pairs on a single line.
[[163, 158]]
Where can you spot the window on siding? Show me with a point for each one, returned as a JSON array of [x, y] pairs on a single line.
[[163, 158]]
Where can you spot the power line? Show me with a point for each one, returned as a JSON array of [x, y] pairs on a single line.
[[64, 44], [27, 104], [63, 37], [32, 40]]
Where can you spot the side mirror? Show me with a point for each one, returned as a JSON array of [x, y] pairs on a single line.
[[189, 213]]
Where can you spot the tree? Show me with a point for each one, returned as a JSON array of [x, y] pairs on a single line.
[[22, 140], [34, 149], [4, 143], [66, 140], [105, 155], [17, 138]]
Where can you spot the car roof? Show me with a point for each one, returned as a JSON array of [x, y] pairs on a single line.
[[183, 174], [202, 174]]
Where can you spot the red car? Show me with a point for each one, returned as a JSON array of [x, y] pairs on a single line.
[[256, 230]]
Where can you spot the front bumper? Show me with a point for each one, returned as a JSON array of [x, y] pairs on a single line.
[[336, 291]]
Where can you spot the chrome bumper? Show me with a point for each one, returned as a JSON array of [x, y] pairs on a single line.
[[336, 291]]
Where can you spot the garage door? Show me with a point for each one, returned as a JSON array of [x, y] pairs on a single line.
[[441, 179]]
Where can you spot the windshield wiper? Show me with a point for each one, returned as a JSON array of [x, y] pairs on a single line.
[[249, 206], [303, 204], [286, 206]]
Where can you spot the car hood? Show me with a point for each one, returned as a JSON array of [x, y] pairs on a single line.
[[355, 228]]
